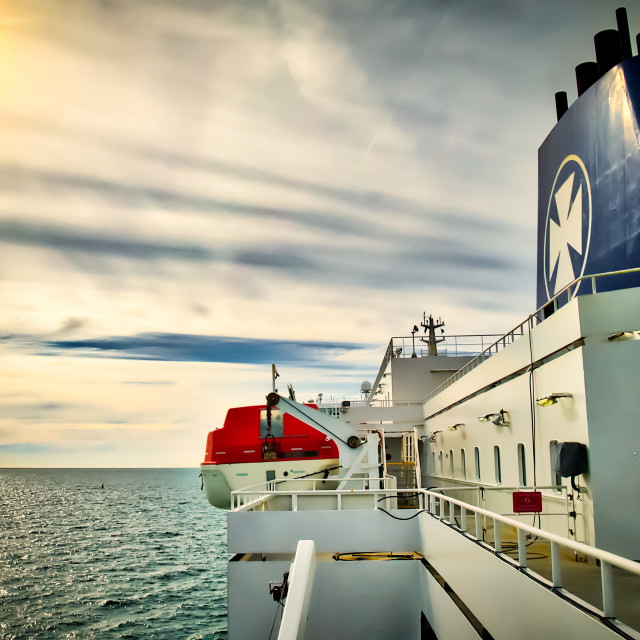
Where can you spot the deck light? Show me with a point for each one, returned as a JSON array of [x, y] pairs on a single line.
[[552, 398], [500, 419], [620, 335], [455, 427], [432, 435]]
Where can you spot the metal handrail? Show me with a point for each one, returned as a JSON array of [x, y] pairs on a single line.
[[519, 330], [606, 558], [245, 498]]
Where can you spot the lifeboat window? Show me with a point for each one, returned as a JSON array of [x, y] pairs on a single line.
[[452, 468], [276, 423], [463, 463], [522, 466], [441, 464], [496, 458], [477, 457]]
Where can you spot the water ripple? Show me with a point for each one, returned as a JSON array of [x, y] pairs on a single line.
[[145, 557]]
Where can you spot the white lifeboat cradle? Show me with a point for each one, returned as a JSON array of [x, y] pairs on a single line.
[[488, 490]]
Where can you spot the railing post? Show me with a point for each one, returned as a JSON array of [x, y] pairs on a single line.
[[478, 526], [452, 513], [522, 548], [442, 508], [294, 502], [497, 536], [608, 600], [463, 518], [556, 568]]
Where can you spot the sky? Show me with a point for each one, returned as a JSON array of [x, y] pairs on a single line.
[[191, 191]]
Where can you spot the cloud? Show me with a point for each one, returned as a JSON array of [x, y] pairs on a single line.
[[176, 347], [69, 239]]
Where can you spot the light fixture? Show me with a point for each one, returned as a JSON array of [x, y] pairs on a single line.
[[432, 435], [552, 398], [620, 335], [455, 427], [500, 419]]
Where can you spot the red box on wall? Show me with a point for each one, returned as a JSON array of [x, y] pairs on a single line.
[[527, 502]]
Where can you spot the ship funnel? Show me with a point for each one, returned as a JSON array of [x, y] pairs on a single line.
[[586, 75], [623, 32], [608, 50]]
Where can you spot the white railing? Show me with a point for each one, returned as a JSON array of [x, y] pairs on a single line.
[[258, 495], [549, 307], [301, 574], [448, 510], [435, 505]]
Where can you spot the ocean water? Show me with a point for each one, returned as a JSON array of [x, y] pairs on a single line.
[[143, 557]]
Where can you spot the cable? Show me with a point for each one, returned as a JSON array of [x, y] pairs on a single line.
[[532, 403], [273, 624], [416, 514]]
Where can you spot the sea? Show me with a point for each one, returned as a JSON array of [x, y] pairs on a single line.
[[110, 553]]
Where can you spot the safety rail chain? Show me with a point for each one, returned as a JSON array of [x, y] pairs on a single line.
[[563, 296], [435, 503]]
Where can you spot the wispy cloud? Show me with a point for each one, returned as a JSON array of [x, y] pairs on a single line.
[[176, 347]]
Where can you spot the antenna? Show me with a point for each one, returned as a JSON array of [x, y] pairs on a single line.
[[431, 325]]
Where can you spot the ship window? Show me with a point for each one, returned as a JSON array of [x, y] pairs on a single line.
[[441, 464], [496, 459], [452, 468], [522, 466], [433, 463], [477, 456], [463, 463], [556, 479]]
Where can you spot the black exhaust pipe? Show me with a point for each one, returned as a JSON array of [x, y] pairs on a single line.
[[586, 75], [562, 104], [608, 50], [623, 31]]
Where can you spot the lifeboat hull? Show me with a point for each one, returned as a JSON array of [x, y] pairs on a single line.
[[221, 479]]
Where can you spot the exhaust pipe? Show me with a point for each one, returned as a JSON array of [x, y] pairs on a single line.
[[623, 32], [586, 75], [608, 50], [562, 104]]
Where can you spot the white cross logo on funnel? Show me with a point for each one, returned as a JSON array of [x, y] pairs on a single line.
[[565, 236]]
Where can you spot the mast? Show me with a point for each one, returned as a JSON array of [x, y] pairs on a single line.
[[431, 325]]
